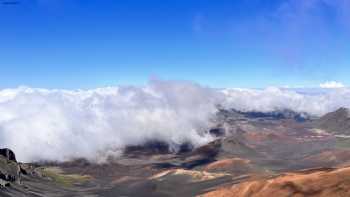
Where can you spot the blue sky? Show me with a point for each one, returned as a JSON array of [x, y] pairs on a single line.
[[219, 43]]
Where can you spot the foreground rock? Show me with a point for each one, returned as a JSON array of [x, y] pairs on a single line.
[[9, 169], [321, 183], [8, 154]]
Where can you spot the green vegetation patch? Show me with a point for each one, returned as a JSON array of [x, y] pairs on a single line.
[[66, 180], [343, 143]]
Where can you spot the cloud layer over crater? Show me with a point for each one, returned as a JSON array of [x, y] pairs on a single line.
[[62, 124]]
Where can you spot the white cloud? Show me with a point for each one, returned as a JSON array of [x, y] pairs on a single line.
[[332, 84], [313, 101], [62, 124]]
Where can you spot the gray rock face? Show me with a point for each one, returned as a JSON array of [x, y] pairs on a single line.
[[8, 154], [9, 169]]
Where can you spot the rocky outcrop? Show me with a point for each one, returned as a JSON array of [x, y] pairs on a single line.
[[8, 154], [10, 170]]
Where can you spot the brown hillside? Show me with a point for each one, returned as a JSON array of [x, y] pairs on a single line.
[[320, 183]]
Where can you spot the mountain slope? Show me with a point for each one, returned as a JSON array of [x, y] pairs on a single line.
[[337, 122], [319, 182]]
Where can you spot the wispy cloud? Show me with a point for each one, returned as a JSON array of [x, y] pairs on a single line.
[[332, 84]]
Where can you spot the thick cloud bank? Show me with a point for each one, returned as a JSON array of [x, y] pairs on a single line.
[[60, 124]]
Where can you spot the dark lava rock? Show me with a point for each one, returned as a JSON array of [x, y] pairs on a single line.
[[158, 147], [217, 132], [202, 155], [148, 148], [8, 154], [185, 148], [9, 168]]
